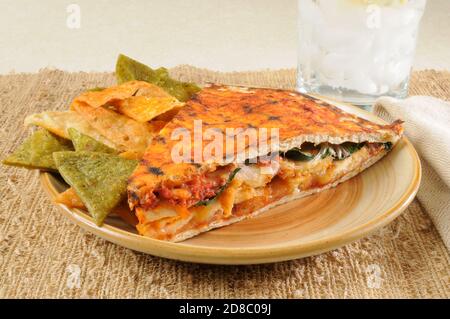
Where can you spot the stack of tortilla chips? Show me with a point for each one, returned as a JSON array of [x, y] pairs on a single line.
[[96, 144]]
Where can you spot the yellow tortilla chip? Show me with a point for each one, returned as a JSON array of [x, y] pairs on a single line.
[[144, 108], [139, 100], [169, 115], [120, 92], [123, 131], [157, 126], [59, 123], [70, 199], [133, 155]]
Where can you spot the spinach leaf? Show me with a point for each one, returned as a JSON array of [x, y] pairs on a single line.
[[352, 147], [345, 150], [296, 154], [388, 146]]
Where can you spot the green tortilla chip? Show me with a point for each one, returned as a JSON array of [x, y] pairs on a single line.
[[96, 89], [82, 142], [128, 69], [99, 179], [36, 151]]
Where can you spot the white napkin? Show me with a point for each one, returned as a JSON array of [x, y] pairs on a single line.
[[427, 125]]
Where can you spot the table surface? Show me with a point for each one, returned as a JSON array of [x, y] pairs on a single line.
[[42, 254], [219, 35]]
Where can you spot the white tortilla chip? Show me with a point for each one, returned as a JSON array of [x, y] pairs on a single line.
[[125, 132], [59, 122]]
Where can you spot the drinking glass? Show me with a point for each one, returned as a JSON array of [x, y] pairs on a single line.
[[357, 50]]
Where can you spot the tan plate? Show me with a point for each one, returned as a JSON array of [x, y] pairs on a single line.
[[305, 227]]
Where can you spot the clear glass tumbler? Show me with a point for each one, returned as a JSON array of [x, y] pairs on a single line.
[[357, 50]]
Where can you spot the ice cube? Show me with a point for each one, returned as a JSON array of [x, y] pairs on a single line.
[[361, 82], [332, 66], [397, 72]]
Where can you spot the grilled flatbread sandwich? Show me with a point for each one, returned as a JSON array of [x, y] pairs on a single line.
[[317, 146]]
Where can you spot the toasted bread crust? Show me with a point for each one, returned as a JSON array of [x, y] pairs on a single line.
[[298, 117]]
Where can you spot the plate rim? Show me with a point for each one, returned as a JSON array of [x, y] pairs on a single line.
[[241, 256]]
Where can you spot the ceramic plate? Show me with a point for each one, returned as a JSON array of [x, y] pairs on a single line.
[[301, 228]]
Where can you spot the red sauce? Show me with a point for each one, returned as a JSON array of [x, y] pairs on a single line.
[[187, 194]]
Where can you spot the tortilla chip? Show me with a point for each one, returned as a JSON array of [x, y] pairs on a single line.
[[59, 123], [144, 108], [82, 142], [70, 199], [123, 131], [99, 179], [36, 151], [128, 69], [96, 89], [169, 115], [157, 126], [150, 90], [133, 155], [117, 93]]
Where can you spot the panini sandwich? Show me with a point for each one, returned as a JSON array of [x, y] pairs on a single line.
[[317, 147]]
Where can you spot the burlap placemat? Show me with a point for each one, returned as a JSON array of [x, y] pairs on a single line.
[[44, 255]]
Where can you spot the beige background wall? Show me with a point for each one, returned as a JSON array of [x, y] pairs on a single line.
[[217, 34]]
